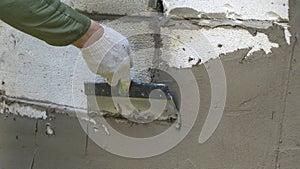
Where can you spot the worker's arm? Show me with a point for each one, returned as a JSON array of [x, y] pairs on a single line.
[[58, 24], [49, 20]]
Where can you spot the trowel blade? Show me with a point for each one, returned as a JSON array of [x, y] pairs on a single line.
[[146, 101]]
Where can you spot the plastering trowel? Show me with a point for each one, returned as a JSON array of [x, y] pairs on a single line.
[[145, 102]]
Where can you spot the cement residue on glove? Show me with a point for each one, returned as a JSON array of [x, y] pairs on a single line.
[[110, 58]]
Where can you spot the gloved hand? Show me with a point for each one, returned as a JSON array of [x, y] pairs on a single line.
[[110, 58]]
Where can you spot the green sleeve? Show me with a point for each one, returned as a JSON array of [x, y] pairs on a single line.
[[49, 20]]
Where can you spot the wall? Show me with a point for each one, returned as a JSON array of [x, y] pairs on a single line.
[[253, 39]]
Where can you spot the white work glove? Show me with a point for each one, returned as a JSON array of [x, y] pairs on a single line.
[[110, 58]]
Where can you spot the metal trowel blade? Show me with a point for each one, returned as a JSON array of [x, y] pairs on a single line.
[[145, 102]]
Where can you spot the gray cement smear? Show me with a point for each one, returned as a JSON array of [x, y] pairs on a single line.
[[259, 129]]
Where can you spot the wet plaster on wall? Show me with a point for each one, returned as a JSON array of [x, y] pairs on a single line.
[[288, 152], [25, 144]]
